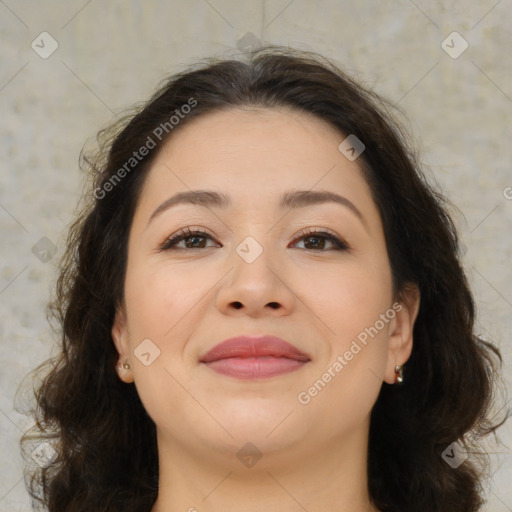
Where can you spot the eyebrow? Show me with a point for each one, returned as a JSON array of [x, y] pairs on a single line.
[[292, 200]]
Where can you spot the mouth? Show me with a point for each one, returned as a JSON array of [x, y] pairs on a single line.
[[246, 357]]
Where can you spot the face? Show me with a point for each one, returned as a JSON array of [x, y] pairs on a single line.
[[313, 273]]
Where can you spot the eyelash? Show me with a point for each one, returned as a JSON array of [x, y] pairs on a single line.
[[170, 243]]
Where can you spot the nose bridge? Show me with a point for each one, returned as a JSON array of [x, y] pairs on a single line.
[[256, 234], [254, 282], [252, 260]]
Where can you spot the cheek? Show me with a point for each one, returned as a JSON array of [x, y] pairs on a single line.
[[160, 303], [346, 297], [348, 304], [158, 297]]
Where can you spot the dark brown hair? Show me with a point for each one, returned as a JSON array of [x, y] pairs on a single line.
[[96, 423]]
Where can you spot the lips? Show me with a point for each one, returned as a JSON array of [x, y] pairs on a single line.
[[248, 357]]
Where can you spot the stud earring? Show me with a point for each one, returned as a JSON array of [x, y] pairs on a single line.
[[400, 377], [126, 365]]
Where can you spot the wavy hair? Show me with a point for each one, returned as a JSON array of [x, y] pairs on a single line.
[[95, 423]]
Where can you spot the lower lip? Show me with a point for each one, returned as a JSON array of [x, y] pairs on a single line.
[[255, 367]]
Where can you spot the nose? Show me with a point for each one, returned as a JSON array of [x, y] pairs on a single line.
[[256, 288]]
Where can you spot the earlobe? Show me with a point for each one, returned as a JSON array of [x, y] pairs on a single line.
[[401, 338], [119, 333], [124, 371]]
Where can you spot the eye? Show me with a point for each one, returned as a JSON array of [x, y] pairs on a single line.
[[317, 239], [194, 239]]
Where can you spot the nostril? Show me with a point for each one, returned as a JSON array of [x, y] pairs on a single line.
[[273, 305]]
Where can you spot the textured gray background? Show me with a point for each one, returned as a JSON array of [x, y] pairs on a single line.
[[112, 54]]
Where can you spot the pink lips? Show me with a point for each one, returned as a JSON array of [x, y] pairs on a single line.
[[248, 357]]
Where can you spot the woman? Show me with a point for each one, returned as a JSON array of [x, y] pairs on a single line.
[[263, 308]]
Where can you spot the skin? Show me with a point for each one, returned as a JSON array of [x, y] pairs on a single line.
[[186, 302]]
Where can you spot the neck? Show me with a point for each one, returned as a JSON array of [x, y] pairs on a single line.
[[330, 477]]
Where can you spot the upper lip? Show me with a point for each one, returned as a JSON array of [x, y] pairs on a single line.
[[254, 346]]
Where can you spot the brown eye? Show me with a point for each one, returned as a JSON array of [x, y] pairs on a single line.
[[193, 240], [317, 240], [198, 239]]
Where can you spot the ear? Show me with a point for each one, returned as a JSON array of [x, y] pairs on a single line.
[[401, 335], [119, 334]]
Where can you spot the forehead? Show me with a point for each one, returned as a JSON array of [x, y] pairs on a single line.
[[255, 151]]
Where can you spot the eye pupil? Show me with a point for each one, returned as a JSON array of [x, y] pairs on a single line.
[[318, 240], [191, 244]]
